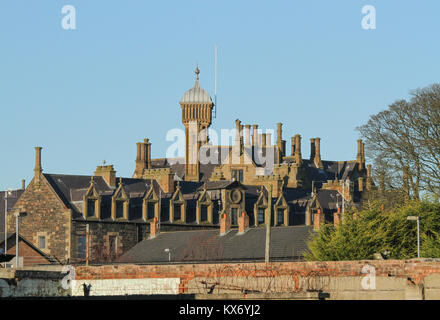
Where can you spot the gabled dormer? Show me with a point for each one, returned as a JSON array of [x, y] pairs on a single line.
[[120, 203], [281, 209], [260, 207], [150, 205], [204, 207], [92, 202], [177, 206]]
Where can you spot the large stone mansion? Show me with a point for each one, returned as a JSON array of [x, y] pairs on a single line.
[[73, 218]]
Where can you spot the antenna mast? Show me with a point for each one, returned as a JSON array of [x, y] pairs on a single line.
[[215, 81]]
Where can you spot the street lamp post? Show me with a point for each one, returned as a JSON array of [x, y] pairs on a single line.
[[416, 218], [17, 214], [169, 254], [7, 194]]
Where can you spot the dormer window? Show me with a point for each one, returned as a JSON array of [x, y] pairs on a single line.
[[120, 203], [177, 206], [150, 207], [204, 208], [91, 202], [237, 175]]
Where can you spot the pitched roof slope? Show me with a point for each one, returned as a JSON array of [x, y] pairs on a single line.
[[287, 243]]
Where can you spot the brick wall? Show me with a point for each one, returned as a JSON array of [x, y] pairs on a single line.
[[395, 279]]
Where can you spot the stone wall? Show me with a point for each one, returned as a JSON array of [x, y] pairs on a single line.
[[47, 216]]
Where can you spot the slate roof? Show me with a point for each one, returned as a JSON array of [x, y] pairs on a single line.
[[71, 189], [287, 243], [12, 200]]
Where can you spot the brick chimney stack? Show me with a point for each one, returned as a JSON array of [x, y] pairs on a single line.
[[337, 217], [154, 228], [225, 224], [318, 219], [243, 223], [38, 169], [23, 184]]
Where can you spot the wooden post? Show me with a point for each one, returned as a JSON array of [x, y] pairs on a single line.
[[268, 222], [87, 244]]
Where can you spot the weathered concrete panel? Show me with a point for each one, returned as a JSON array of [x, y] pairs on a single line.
[[112, 287]]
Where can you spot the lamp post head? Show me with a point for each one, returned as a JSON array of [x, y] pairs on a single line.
[[167, 250]]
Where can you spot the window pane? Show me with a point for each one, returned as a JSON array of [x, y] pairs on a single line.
[[150, 210], [280, 216], [204, 213], [177, 213], [240, 175], [42, 242], [261, 212], [234, 216], [91, 208], [81, 247], [119, 209]]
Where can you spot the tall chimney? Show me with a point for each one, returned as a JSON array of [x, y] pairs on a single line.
[[312, 149], [268, 139], [298, 155], [23, 184], [141, 164], [280, 145], [237, 132], [38, 169], [359, 154], [292, 143], [247, 135], [317, 158], [263, 140], [255, 134], [148, 152]]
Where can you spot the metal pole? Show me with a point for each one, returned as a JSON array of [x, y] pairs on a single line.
[[6, 227], [343, 198], [87, 244], [16, 240], [418, 237], [268, 222]]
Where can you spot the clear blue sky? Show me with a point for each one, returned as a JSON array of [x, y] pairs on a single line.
[[90, 94]]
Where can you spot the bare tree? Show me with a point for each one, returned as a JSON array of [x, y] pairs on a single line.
[[404, 143]]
